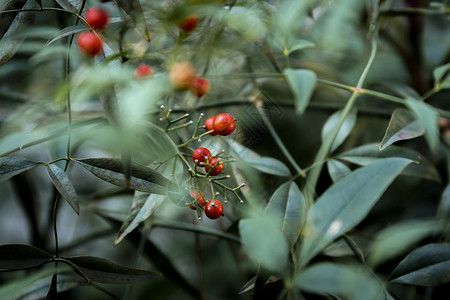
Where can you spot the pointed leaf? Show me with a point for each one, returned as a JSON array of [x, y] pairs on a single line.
[[346, 203], [439, 73], [428, 118], [142, 178], [248, 286], [402, 126], [337, 169], [12, 165], [64, 186], [103, 271], [288, 206], [71, 5], [425, 266], [300, 44], [40, 288], [65, 32], [142, 207], [302, 83], [134, 10], [444, 205], [53, 290], [343, 132], [17, 257]]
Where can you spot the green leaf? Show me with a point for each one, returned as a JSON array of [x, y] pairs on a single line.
[[402, 126], [63, 184], [70, 5], [350, 282], [287, 205], [299, 45], [53, 290], [344, 131], [103, 271], [369, 153], [425, 266], [394, 240], [337, 169], [40, 288], [142, 178], [428, 118], [444, 205], [265, 243], [12, 165], [142, 207], [439, 73], [65, 32], [346, 203], [302, 83], [18, 257], [134, 10]]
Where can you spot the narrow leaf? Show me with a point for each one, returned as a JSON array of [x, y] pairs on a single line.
[[439, 73], [444, 205], [53, 290], [402, 126], [70, 5], [134, 10], [337, 169], [302, 83], [103, 271], [300, 44], [64, 186], [17, 257], [343, 132], [346, 203], [12, 165], [425, 266], [428, 117], [40, 288], [65, 32]]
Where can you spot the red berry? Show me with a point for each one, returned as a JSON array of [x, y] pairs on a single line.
[[181, 75], [90, 43], [97, 18], [200, 155], [209, 125], [188, 24], [200, 198], [224, 124], [199, 86], [214, 209], [143, 71], [215, 166]]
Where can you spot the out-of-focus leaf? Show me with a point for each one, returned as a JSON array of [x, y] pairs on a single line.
[[428, 118], [287, 205], [402, 126], [425, 266], [142, 178], [299, 45], [142, 207], [346, 203], [343, 132], [63, 184], [394, 240], [247, 22], [103, 271], [337, 169], [40, 288], [12, 165], [439, 73], [248, 286], [71, 5], [265, 243], [444, 205], [302, 83], [350, 282], [17, 257], [134, 10], [53, 290], [66, 32], [369, 153]]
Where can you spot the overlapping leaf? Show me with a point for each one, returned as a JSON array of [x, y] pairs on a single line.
[[12, 165], [17, 257], [64, 185], [428, 118], [344, 130], [337, 169], [134, 10]]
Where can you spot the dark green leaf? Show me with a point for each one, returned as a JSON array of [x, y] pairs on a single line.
[[346, 203], [344, 131], [66, 32], [142, 178], [70, 5], [428, 118], [63, 184], [302, 83], [287, 205], [425, 266], [134, 10], [248, 286], [39, 2], [12, 165], [53, 290], [103, 271], [40, 288], [402, 126], [444, 205], [439, 73], [337, 169], [17, 257]]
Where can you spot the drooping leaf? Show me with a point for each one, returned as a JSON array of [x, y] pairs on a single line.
[[64, 185], [142, 178], [302, 83], [369, 153], [17, 257], [337, 169], [12, 165], [439, 73], [346, 203], [142, 207], [425, 266], [395, 239], [65, 32], [134, 10], [344, 131], [103, 271], [287, 205], [428, 118], [444, 205], [402, 126]]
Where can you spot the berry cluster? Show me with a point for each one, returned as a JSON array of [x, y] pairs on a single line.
[[90, 43], [222, 124], [183, 76]]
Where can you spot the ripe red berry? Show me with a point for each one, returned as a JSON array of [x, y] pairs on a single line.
[[214, 209], [143, 71], [188, 24], [181, 75], [199, 86], [224, 124], [200, 155], [97, 18], [216, 166], [209, 125], [200, 198], [89, 43]]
